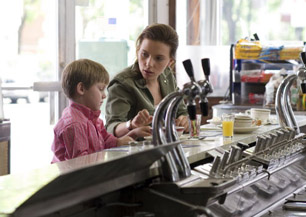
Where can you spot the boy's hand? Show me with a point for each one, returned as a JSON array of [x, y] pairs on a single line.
[[183, 121], [124, 140], [143, 118], [140, 132]]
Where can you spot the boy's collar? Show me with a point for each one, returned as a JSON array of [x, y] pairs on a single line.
[[89, 113]]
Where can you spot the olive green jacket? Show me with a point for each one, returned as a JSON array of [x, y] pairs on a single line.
[[128, 94]]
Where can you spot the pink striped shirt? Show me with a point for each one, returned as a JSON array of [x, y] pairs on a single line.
[[79, 132]]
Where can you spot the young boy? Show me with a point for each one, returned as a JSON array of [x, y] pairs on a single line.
[[80, 131]]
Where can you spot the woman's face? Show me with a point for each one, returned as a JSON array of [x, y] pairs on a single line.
[[153, 58]]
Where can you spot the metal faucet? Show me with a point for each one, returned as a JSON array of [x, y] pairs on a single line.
[[283, 106], [175, 164]]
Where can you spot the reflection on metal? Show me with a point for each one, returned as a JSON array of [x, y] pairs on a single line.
[[90, 180], [175, 165], [248, 180], [283, 106], [282, 101]]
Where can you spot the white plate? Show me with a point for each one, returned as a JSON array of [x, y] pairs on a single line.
[[214, 122], [245, 129], [184, 136], [211, 127]]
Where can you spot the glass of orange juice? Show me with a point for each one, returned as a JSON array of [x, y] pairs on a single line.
[[228, 125]]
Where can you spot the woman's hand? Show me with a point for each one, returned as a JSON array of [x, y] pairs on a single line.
[[140, 132], [183, 121], [124, 140], [143, 118]]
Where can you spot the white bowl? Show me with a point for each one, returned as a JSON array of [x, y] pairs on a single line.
[[243, 122]]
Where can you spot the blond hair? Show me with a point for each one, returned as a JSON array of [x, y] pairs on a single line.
[[83, 70]]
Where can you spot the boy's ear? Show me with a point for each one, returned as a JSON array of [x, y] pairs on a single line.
[[80, 88]]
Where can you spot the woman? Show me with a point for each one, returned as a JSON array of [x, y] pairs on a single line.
[[135, 92]]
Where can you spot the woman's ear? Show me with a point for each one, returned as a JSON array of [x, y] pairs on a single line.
[[80, 89], [171, 63]]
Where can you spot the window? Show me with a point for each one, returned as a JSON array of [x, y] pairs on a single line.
[[272, 20], [208, 28], [107, 33], [28, 54]]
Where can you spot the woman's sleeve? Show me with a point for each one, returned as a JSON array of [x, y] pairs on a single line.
[[118, 105]]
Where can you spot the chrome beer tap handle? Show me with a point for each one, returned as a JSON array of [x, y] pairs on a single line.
[[205, 86], [282, 101], [175, 164], [169, 168], [192, 90]]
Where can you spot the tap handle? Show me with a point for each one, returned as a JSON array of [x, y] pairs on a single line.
[[243, 146], [192, 111], [303, 57], [206, 67], [204, 108], [189, 69]]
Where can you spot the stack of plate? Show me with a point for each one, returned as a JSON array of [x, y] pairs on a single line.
[[244, 124], [242, 120]]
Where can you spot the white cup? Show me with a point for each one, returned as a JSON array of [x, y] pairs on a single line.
[[259, 114]]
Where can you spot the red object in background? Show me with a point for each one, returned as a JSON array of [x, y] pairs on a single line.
[[256, 99], [262, 78]]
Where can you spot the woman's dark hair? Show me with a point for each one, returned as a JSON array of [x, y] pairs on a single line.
[[162, 33]]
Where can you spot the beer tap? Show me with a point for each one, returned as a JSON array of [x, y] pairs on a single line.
[[191, 89], [282, 102], [302, 72], [197, 89], [205, 86], [175, 164]]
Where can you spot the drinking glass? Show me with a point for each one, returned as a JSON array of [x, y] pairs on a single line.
[[228, 125], [194, 126]]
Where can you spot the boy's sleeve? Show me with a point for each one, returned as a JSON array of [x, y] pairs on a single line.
[[109, 139], [75, 140]]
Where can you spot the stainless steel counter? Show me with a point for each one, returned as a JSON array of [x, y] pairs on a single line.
[[16, 190]]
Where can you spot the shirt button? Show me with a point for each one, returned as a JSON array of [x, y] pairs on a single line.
[[165, 81]]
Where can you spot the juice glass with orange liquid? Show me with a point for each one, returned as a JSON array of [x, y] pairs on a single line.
[[228, 125]]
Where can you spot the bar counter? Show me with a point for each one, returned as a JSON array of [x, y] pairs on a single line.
[[17, 189]]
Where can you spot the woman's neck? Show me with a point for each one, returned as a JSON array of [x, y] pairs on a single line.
[[152, 83], [154, 88]]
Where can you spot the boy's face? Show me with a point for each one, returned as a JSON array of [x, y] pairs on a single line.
[[93, 97]]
